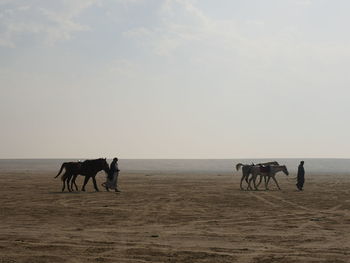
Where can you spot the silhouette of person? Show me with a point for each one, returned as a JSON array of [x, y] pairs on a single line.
[[301, 176], [112, 178]]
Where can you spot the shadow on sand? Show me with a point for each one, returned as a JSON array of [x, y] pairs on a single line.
[[72, 193]]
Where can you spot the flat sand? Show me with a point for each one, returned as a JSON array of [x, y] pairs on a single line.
[[174, 218]]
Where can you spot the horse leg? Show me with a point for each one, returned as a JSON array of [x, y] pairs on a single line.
[[85, 182], [95, 184], [73, 183], [68, 183], [267, 182], [260, 180], [273, 178], [248, 187], [246, 177], [250, 181], [64, 178], [256, 186], [247, 181], [243, 176], [76, 187], [254, 181], [71, 180]]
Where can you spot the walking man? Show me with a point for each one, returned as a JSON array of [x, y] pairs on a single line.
[[301, 176], [112, 178]]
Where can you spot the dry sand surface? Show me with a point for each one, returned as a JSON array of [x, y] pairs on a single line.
[[174, 218]]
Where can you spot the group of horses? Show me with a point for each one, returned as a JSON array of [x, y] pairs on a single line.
[[90, 168], [268, 170]]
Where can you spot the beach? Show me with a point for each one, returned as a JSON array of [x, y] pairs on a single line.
[[174, 218]]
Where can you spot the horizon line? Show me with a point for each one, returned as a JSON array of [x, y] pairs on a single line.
[[240, 158]]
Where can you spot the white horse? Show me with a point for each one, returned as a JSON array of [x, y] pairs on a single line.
[[246, 171], [269, 172]]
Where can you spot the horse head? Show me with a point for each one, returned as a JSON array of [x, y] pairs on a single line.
[[284, 169]]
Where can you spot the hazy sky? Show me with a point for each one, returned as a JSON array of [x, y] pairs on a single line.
[[174, 78]]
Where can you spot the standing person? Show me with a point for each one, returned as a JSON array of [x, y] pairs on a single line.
[[112, 178], [301, 176]]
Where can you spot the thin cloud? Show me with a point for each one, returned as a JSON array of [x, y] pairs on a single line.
[[51, 22]]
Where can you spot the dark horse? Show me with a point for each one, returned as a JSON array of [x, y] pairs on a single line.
[[88, 168]]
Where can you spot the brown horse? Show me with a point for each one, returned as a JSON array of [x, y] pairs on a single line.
[[88, 168]]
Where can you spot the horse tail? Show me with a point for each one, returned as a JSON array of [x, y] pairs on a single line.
[[62, 166], [238, 166]]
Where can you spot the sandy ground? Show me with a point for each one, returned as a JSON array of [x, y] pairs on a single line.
[[168, 218]]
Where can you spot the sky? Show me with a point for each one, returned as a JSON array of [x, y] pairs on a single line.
[[174, 79]]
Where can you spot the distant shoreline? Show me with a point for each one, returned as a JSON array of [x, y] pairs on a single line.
[[183, 166]]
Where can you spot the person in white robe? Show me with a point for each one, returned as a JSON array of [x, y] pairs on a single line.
[[112, 177]]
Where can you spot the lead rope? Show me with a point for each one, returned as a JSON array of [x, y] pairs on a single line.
[[289, 179]]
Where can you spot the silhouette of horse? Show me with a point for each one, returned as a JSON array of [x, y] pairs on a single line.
[[88, 168]]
